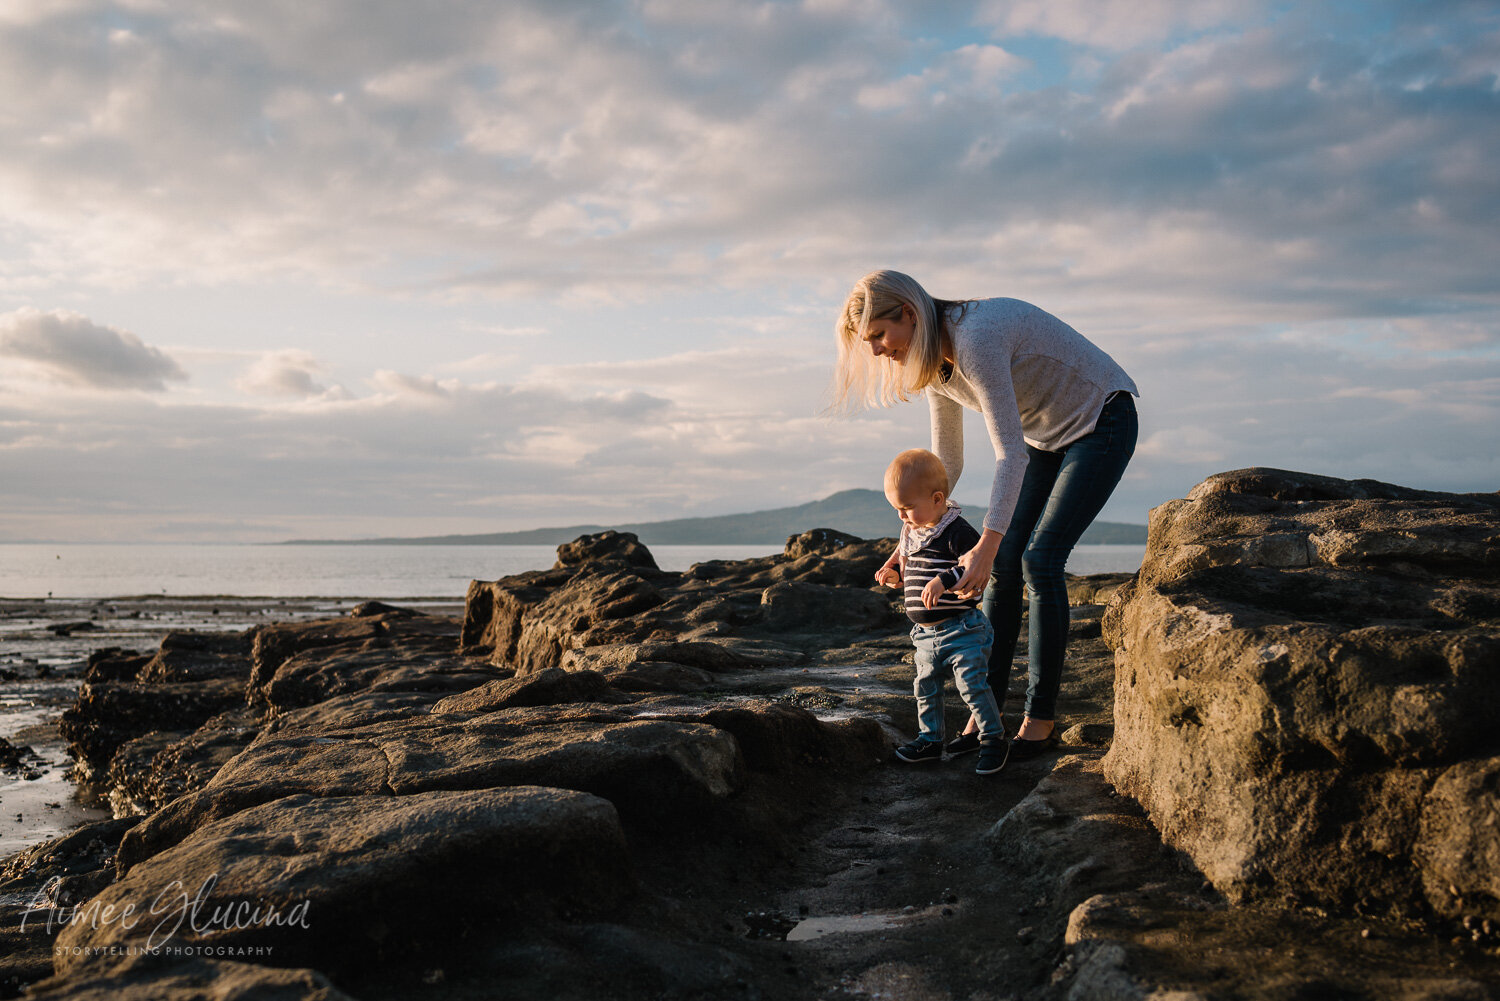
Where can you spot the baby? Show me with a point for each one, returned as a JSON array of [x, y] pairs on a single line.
[[950, 633]]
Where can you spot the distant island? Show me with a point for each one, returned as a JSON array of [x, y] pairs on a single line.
[[864, 513]]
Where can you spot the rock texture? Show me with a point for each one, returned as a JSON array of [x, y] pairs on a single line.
[[412, 794], [193, 677], [544, 619], [164, 978], [1306, 673], [312, 881], [609, 780]]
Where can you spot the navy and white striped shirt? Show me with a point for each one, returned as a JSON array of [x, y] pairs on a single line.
[[938, 557]]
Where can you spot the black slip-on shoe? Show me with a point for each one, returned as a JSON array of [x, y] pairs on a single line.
[[1024, 750]]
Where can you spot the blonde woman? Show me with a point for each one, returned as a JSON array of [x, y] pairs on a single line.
[[1061, 417]]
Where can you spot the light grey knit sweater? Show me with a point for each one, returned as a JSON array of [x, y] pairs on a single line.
[[1034, 378]]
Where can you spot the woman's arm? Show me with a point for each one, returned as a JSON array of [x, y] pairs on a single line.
[[947, 434], [989, 372], [1002, 419]]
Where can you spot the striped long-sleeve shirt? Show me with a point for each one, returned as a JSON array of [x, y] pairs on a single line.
[[938, 557]]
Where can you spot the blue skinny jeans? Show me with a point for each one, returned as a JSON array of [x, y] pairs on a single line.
[[1061, 494]]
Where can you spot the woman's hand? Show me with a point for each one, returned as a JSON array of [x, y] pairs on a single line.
[[977, 563]]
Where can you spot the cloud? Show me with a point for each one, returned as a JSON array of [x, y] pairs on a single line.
[[73, 349], [288, 372], [504, 330], [1113, 24], [970, 71], [640, 217], [620, 155], [693, 433], [776, 376], [456, 455]]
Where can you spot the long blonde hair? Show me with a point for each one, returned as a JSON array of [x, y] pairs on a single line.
[[862, 380]]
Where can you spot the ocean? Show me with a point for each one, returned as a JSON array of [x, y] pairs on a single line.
[[40, 570]]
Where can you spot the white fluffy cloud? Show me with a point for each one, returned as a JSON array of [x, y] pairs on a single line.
[[288, 372]]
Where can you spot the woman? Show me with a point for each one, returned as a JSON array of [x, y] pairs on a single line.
[[1061, 417]]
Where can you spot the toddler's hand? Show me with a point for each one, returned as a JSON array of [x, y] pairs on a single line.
[[888, 575], [932, 592]]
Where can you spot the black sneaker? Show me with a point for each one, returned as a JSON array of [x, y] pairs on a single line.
[[992, 755], [964, 743], [921, 750]]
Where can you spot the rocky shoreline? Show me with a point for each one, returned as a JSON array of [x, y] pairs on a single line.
[[45, 645], [607, 780]]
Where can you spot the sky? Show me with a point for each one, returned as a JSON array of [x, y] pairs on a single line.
[[275, 270]]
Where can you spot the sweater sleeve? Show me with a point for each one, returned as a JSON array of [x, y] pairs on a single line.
[[947, 435], [990, 375]]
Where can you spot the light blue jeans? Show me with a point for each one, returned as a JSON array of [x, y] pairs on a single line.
[[960, 645]]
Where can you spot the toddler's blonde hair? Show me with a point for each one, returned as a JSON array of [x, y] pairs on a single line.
[[918, 467]]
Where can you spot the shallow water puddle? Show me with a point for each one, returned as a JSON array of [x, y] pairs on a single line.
[[837, 924]]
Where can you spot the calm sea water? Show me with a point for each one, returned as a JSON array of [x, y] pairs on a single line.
[[112, 571]]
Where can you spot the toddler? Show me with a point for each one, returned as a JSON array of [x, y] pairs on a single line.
[[949, 633]]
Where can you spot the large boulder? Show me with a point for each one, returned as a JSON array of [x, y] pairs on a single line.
[[1305, 668], [545, 688], [109, 714], [609, 546], [343, 882], [826, 556], [715, 655], [390, 649], [150, 771], [126, 696], [800, 606], [530, 620], [148, 729], [658, 772], [677, 666], [818, 541]]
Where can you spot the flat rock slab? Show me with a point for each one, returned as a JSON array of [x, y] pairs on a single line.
[[343, 882], [543, 688], [412, 665], [656, 771]]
